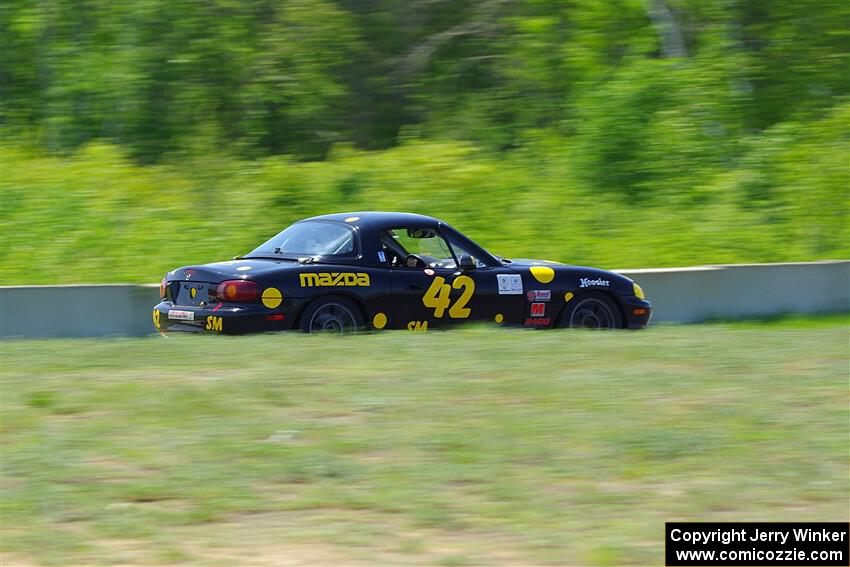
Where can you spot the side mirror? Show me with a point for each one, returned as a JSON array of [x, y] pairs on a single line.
[[467, 262]]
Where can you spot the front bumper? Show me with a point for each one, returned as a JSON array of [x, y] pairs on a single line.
[[227, 319], [638, 312]]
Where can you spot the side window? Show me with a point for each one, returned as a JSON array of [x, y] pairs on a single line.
[[416, 248], [460, 250]]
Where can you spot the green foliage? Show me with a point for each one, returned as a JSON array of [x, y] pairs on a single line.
[[98, 217], [266, 77], [629, 133]]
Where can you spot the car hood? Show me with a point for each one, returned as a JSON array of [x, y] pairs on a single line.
[[558, 267], [577, 276], [524, 262]]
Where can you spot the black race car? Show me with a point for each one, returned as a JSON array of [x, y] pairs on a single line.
[[350, 271]]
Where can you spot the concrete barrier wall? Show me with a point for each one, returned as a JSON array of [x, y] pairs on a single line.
[[77, 310], [684, 295], [690, 295]]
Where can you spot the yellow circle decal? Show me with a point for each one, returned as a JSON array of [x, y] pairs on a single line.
[[352, 219], [272, 297], [379, 321], [499, 318], [567, 296], [543, 274]]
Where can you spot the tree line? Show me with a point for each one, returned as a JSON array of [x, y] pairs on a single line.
[[295, 77]]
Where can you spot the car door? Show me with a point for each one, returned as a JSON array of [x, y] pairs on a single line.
[[422, 297], [420, 263], [437, 293], [497, 294]]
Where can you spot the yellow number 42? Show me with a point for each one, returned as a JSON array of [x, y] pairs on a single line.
[[437, 297]]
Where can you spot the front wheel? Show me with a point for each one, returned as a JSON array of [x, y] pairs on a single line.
[[335, 315], [593, 310]]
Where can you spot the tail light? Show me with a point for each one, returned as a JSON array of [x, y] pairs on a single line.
[[162, 289], [237, 290]]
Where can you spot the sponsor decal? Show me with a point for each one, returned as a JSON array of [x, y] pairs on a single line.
[[178, 315], [538, 309], [188, 273], [537, 322], [437, 297], [382, 257], [539, 295], [379, 321], [589, 282], [272, 297], [417, 326], [330, 279], [543, 274], [214, 323], [509, 284]]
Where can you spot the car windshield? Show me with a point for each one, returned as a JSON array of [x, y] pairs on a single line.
[[310, 238]]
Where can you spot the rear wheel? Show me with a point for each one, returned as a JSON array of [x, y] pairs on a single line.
[[593, 310], [335, 315]]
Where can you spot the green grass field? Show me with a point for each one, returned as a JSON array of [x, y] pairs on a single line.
[[472, 447]]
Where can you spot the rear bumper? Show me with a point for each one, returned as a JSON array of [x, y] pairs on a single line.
[[222, 319]]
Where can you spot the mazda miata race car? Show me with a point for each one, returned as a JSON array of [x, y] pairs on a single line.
[[374, 270]]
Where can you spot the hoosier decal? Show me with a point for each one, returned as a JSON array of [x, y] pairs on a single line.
[[588, 282], [330, 279]]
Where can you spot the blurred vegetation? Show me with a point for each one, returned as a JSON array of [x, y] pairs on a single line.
[[633, 133], [198, 449]]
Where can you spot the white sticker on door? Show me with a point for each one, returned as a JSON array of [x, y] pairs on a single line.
[[509, 284]]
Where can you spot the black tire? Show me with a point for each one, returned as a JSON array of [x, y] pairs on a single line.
[[591, 310], [335, 315]]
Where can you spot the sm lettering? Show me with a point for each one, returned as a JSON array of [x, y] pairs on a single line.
[[213, 323], [417, 326], [330, 279]]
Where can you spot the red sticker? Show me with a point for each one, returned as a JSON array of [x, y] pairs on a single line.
[[537, 322], [538, 309]]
